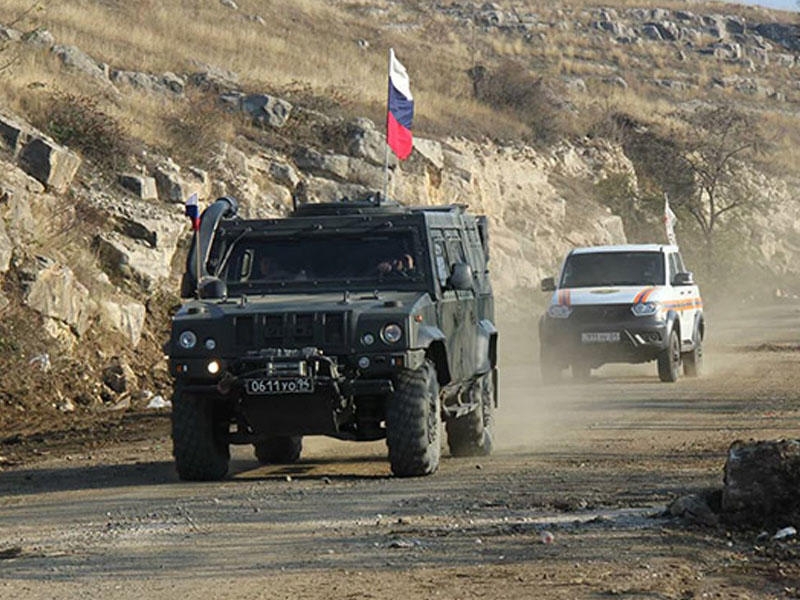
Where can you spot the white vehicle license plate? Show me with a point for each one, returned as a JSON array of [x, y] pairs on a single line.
[[602, 337], [279, 385]]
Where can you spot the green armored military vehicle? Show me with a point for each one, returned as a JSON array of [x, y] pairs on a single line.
[[356, 320]]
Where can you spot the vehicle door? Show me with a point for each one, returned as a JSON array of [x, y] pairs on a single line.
[[456, 311], [684, 297]]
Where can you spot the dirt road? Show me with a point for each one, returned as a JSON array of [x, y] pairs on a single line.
[[593, 464]]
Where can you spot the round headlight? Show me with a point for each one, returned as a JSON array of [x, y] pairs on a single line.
[[391, 333], [363, 362], [213, 367], [210, 344], [187, 340], [368, 339]]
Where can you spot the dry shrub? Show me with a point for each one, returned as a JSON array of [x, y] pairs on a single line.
[[536, 101], [79, 123], [195, 128]]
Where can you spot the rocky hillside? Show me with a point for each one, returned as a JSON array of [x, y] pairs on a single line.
[[92, 235]]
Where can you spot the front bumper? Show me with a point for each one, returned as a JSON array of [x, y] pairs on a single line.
[[596, 342], [331, 399]]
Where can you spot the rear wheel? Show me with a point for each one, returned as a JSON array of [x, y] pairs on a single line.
[[669, 361], [279, 450], [414, 423], [200, 454], [470, 435]]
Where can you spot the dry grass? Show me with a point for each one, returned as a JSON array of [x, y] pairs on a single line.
[[310, 45]]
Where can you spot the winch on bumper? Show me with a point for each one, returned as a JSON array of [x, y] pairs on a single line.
[[599, 335], [298, 392]]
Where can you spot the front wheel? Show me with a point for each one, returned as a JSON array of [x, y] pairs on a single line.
[[693, 361], [200, 454], [414, 423], [279, 449], [669, 361]]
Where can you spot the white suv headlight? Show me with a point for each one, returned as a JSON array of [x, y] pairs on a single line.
[[187, 340], [645, 309], [559, 311]]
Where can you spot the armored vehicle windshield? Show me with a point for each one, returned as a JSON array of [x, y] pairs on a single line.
[[340, 260]]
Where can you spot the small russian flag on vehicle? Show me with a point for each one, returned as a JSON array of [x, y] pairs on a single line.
[[193, 211]]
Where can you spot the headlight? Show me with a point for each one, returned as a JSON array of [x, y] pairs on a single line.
[[391, 333], [187, 340], [213, 367], [210, 344], [368, 339], [645, 309], [559, 311]]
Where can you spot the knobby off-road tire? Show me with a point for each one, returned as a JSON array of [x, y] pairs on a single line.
[[693, 361], [199, 453], [471, 435], [279, 450], [669, 361], [414, 423]]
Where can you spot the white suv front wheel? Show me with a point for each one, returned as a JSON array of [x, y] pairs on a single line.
[[669, 361]]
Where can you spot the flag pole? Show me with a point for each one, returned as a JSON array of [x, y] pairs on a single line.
[[386, 131], [197, 252]]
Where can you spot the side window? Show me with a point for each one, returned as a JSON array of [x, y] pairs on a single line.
[[442, 270], [455, 249], [674, 269], [679, 262]]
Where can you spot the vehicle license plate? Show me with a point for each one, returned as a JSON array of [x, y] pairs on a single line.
[[602, 337], [279, 385]]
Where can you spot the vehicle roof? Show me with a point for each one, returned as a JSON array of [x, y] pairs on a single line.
[[625, 248]]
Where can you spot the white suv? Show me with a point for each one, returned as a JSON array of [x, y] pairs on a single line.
[[631, 303]]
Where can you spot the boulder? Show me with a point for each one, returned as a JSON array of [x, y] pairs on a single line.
[[7, 34], [39, 37], [363, 140], [167, 83], [175, 186], [332, 166], [762, 480], [131, 259], [74, 58], [13, 135], [49, 163], [125, 316], [431, 151], [141, 186], [266, 110], [56, 293]]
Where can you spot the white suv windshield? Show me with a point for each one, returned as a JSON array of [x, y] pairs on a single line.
[[613, 268]]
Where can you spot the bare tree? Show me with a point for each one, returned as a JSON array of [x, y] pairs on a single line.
[[716, 142]]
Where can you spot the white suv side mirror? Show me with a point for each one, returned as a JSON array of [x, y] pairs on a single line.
[[685, 278]]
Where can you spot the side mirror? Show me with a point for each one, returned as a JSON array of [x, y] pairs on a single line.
[[685, 278], [213, 287], [548, 284], [461, 278]]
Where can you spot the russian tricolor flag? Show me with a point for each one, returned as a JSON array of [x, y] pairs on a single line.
[[401, 109], [193, 211]]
